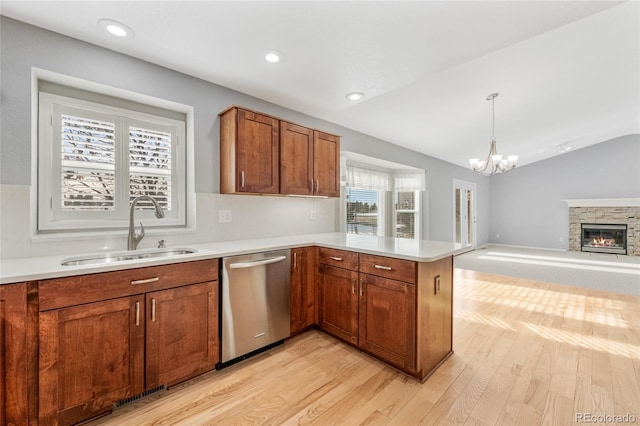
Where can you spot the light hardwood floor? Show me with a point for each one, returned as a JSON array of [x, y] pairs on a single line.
[[526, 353]]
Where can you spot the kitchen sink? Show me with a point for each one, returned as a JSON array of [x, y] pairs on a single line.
[[125, 255]]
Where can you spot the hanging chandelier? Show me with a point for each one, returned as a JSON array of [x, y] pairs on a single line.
[[495, 163]]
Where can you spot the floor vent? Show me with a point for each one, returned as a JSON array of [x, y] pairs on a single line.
[[138, 396]]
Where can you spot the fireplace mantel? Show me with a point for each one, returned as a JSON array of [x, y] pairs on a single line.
[[604, 202]]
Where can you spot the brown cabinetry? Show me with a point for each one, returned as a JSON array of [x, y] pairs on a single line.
[[303, 266], [18, 355], [106, 337], [260, 154], [249, 152], [309, 161], [397, 310], [326, 164], [338, 302], [388, 309]]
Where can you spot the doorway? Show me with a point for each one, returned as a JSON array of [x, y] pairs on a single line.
[[464, 213]]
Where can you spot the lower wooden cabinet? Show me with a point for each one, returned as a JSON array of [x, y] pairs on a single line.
[[95, 354], [397, 310], [338, 302], [18, 355], [90, 357], [182, 333], [303, 305], [387, 314]]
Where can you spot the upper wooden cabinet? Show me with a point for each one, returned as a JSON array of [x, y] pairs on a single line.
[[326, 164], [309, 161], [249, 152], [261, 154]]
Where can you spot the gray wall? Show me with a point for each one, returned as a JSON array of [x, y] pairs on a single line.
[[24, 46], [527, 206]]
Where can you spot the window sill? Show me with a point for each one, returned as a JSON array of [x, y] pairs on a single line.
[[107, 234]]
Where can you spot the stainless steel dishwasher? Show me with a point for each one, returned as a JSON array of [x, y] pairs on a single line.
[[255, 303]]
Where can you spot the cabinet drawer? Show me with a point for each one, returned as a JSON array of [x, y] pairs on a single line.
[[340, 258], [388, 267], [69, 291]]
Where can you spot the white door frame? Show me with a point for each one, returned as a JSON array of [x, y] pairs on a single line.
[[466, 186]]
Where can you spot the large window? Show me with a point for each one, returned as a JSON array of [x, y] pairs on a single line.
[[93, 159], [383, 201]]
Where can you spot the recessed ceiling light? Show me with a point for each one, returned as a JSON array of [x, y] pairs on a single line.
[[273, 56], [354, 96], [116, 28]]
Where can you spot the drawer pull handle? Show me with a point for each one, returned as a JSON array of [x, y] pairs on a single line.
[[137, 313], [386, 268], [153, 310], [337, 259], [145, 281]]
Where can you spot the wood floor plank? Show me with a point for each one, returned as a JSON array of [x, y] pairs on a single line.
[[525, 352]]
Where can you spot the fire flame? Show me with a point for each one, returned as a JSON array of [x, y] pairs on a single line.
[[602, 242]]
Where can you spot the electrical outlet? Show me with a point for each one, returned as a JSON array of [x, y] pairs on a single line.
[[562, 239], [224, 216], [312, 215], [497, 236]]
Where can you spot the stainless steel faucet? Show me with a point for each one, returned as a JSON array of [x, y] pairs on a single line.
[[134, 239]]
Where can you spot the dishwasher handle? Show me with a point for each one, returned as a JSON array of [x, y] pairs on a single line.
[[268, 261]]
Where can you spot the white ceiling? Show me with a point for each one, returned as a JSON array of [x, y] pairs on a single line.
[[567, 71]]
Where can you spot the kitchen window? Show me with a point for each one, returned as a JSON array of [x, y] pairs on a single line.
[[383, 201], [95, 158]]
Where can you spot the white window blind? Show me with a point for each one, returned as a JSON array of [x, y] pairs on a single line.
[[87, 156], [409, 180], [378, 179], [363, 177], [150, 166]]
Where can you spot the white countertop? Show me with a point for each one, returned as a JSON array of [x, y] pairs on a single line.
[[39, 268]]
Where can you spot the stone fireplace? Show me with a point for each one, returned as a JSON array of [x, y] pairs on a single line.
[[609, 226]]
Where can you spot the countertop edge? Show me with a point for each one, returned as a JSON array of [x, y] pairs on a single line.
[[48, 267]]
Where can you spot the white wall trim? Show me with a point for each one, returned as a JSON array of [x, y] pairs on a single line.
[[604, 202]]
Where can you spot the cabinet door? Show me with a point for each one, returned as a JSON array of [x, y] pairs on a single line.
[[182, 333], [14, 355], [326, 164], [90, 357], [338, 302], [296, 159], [302, 288], [387, 320], [258, 153]]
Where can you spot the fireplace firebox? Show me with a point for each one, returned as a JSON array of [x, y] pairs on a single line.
[[604, 238]]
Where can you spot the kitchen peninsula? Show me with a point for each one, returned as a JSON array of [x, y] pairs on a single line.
[[391, 298]]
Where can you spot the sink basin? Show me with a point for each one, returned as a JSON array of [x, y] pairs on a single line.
[[125, 255]]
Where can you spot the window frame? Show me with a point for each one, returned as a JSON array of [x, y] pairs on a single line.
[[50, 219], [417, 213]]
